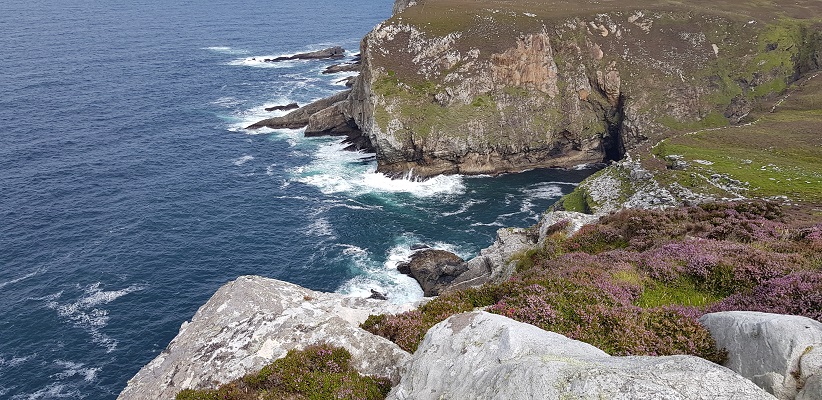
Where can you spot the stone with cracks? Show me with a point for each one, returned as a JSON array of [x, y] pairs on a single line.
[[780, 353], [486, 356], [252, 321]]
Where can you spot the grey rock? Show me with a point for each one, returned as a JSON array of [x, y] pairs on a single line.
[[331, 52], [494, 264], [400, 5], [286, 107], [433, 269], [252, 321], [573, 221], [337, 68], [299, 118], [331, 121], [780, 353], [486, 356], [810, 367]]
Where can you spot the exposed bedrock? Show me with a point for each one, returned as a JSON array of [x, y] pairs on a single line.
[[487, 87], [433, 269], [252, 321], [480, 355], [780, 353], [331, 52], [299, 118]]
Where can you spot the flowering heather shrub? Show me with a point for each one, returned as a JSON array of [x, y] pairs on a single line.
[[318, 372], [637, 282], [798, 293], [408, 329]]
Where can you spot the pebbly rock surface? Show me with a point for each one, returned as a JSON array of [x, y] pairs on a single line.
[[486, 356], [331, 52], [252, 321], [433, 269], [780, 353]]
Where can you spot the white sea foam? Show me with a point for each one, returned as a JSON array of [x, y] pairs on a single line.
[[13, 361], [335, 170], [259, 62], [320, 227], [84, 312], [71, 369], [22, 278], [464, 207], [383, 276], [242, 160], [52, 391]]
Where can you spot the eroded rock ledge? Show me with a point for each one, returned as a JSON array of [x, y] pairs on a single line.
[[253, 321]]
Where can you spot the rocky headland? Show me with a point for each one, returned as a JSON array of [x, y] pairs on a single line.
[[664, 275]]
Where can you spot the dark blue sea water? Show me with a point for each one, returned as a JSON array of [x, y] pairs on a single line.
[[129, 191]]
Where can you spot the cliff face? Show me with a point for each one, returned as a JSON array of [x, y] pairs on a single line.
[[490, 86]]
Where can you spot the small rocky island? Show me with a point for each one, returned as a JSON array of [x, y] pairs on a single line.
[[688, 268]]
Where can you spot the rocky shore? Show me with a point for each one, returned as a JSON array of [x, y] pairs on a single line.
[[494, 88]]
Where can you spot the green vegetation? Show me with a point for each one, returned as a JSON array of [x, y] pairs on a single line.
[[636, 282], [317, 373], [779, 155]]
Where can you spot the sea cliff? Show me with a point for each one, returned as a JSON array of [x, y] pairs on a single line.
[[642, 299]]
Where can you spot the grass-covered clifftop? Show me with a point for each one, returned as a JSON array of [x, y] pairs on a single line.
[[494, 86], [775, 156]]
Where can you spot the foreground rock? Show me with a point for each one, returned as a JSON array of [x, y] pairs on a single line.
[[780, 353], [486, 356], [434, 270], [331, 52], [299, 118], [253, 321]]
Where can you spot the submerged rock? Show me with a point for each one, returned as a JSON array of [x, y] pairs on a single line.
[[487, 356], [252, 321], [433, 269], [780, 353]]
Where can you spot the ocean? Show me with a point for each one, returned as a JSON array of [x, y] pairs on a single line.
[[129, 190]]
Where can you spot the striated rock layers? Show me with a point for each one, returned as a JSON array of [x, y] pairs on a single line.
[[489, 86], [253, 321], [486, 356]]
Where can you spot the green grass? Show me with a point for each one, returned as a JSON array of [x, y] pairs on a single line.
[[682, 292]]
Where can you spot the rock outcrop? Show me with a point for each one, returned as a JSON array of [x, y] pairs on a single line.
[[331, 52], [253, 321], [433, 269], [780, 353], [494, 263], [486, 356], [490, 88], [337, 68], [299, 118], [285, 107]]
